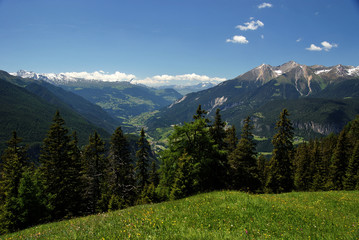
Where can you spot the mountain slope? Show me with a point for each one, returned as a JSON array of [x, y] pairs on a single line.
[[121, 99], [300, 88], [59, 97], [31, 116]]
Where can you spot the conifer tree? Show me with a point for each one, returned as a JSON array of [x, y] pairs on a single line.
[[75, 179], [200, 113], [261, 165], [318, 167], [339, 163], [217, 130], [149, 194], [195, 140], [153, 175], [14, 164], [59, 170], [32, 209], [243, 161], [351, 179], [142, 162], [231, 139], [94, 172], [121, 179], [280, 177], [185, 183], [302, 171]]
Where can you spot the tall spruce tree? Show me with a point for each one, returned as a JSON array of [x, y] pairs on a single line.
[[14, 164], [217, 130], [121, 179], [142, 162], [318, 167], [185, 183], [31, 204], [54, 169], [231, 139], [280, 177], [243, 161], [339, 163], [94, 164], [302, 168], [351, 180]]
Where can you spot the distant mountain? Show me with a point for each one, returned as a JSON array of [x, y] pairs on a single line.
[[121, 99], [321, 99], [28, 108], [184, 89]]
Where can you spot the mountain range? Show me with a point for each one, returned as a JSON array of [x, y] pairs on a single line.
[[121, 99], [320, 99], [28, 106]]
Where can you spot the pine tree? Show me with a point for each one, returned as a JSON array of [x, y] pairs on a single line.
[[217, 130], [231, 139], [243, 161], [302, 171], [142, 162], [261, 165], [14, 164], [94, 172], [60, 169], [218, 134], [185, 183], [31, 205], [122, 180], [351, 179], [200, 113], [319, 167], [339, 163], [280, 177], [153, 175]]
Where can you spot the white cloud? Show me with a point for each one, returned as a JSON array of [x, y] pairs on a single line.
[[265, 5], [314, 48], [185, 79], [262, 36], [99, 75], [326, 46], [252, 25], [238, 39], [298, 40]]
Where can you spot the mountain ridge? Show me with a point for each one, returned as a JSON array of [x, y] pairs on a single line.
[[266, 87]]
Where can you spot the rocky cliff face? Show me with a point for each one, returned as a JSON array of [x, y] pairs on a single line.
[[320, 128]]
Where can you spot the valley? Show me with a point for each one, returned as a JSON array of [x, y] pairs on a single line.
[[320, 100]]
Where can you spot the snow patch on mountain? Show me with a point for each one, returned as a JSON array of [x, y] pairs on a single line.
[[318, 72], [354, 71]]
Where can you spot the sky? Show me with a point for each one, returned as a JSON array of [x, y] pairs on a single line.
[[174, 41]]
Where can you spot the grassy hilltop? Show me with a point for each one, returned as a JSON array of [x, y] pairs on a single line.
[[218, 215]]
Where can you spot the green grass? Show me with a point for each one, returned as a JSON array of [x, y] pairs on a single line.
[[259, 138], [219, 215]]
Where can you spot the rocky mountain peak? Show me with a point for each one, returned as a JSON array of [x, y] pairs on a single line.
[[286, 67]]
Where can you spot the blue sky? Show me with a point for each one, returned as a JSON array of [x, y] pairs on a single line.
[[172, 40]]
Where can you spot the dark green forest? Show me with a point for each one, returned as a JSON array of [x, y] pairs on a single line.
[[67, 180]]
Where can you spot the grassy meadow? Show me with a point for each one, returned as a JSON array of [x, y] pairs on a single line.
[[218, 215]]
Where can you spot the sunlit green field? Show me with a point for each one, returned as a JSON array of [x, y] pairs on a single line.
[[219, 215]]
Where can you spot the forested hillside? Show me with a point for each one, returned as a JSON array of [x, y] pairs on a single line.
[[30, 115], [200, 157]]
